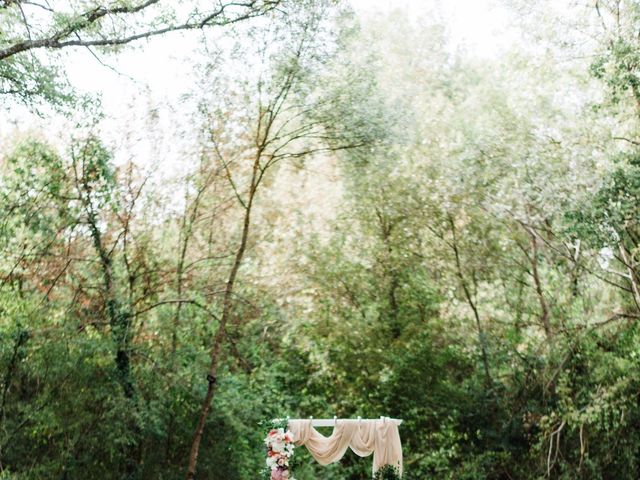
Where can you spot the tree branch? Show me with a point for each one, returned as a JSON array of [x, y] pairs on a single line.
[[60, 38]]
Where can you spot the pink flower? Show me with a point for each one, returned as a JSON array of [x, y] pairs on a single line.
[[277, 474]]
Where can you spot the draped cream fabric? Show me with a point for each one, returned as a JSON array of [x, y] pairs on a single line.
[[380, 437]]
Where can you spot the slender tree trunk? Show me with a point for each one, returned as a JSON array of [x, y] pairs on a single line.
[[545, 312], [386, 228], [186, 231], [636, 96], [120, 322], [575, 271], [545, 315], [633, 278], [21, 338], [482, 341], [174, 331], [220, 336]]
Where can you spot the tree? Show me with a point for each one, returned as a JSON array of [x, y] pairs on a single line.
[[284, 122], [28, 27]]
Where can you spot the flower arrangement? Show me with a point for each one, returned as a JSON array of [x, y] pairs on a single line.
[[279, 443]]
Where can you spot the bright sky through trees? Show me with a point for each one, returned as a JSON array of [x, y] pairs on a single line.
[[154, 74], [481, 27]]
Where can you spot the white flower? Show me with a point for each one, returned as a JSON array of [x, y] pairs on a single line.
[[281, 446]]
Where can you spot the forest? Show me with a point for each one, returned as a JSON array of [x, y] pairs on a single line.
[[332, 214]]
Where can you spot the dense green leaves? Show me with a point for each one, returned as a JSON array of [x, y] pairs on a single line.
[[460, 248]]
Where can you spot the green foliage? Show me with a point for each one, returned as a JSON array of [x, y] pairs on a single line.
[[613, 213], [619, 68], [34, 83], [387, 472], [477, 277]]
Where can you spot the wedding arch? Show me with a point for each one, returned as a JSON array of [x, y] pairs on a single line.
[[364, 437]]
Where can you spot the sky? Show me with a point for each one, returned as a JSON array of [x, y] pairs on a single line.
[[481, 27], [159, 69]]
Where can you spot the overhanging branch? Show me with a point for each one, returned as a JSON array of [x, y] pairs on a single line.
[[61, 38]]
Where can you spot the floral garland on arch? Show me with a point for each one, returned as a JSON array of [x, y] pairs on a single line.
[[279, 443]]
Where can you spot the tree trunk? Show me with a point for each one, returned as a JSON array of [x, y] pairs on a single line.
[[226, 313], [120, 323], [545, 315], [482, 341]]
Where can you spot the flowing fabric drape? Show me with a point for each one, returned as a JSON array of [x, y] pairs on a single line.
[[364, 437]]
